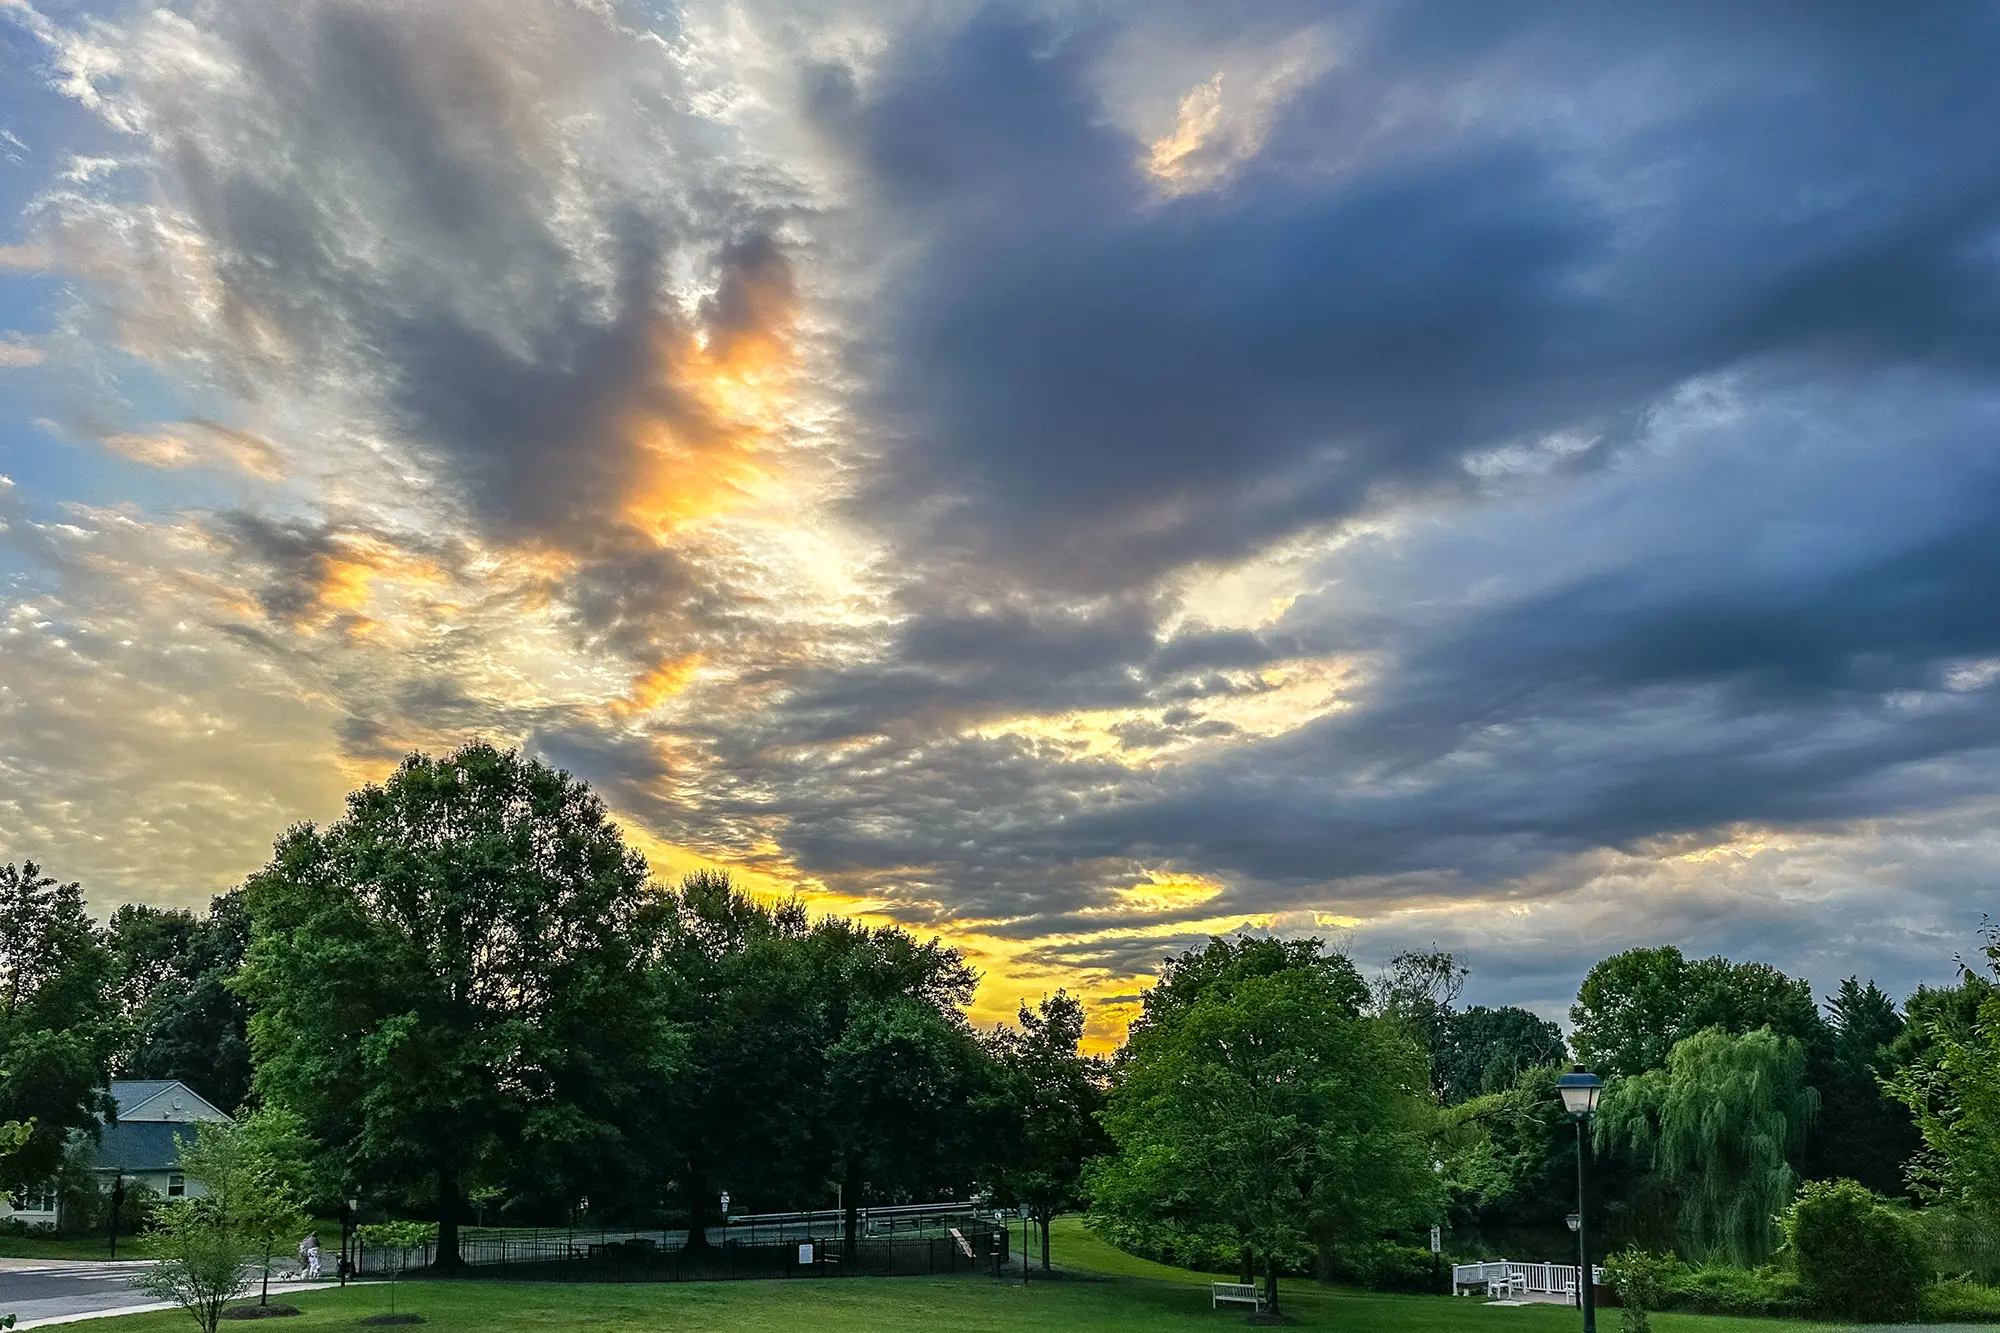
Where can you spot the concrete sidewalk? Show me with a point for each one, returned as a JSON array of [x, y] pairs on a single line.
[[40, 1293]]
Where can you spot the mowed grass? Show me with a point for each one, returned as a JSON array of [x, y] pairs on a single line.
[[1100, 1288]]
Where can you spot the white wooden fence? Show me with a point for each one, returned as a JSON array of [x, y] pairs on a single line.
[[1500, 1277]]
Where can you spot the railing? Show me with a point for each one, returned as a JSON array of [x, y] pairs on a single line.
[[1530, 1279]]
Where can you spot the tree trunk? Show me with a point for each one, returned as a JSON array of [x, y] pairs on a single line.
[[1044, 1220], [850, 1226], [451, 1203], [1271, 1285], [697, 1204], [1246, 1265], [264, 1298]]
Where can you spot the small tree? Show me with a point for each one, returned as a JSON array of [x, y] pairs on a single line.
[[208, 1245], [204, 1261], [1053, 1095]]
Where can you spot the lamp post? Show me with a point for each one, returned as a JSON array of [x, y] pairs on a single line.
[[1580, 1090], [117, 1203], [348, 1208]]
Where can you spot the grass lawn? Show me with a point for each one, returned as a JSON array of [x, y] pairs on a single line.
[[1101, 1289]]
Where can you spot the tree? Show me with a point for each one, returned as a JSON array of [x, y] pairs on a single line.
[[182, 1020], [271, 1145], [739, 1006], [1488, 1050], [901, 1075], [1857, 1258], [1862, 1133], [447, 983], [1510, 1155], [1420, 990], [1257, 1102], [1052, 1094], [1952, 1086], [1635, 1006], [57, 1022], [207, 1245], [1719, 1123]]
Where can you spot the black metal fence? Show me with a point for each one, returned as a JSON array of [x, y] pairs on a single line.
[[892, 1243]]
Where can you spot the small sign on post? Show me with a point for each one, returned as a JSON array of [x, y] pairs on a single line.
[[1437, 1240], [806, 1252]]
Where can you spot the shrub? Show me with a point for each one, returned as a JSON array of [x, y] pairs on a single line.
[[1642, 1281], [1959, 1301], [1723, 1289], [1857, 1257], [1384, 1265]]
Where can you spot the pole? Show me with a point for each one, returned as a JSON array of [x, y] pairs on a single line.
[[1585, 1287], [117, 1203]]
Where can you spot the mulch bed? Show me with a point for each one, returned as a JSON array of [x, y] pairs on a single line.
[[394, 1319], [273, 1311]]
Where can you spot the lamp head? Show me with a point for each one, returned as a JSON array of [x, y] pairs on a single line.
[[1580, 1090], [1573, 1219]]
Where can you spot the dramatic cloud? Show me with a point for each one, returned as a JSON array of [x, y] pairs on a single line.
[[1071, 477]]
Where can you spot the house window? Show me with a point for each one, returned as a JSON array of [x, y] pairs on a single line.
[[177, 1186], [37, 1201]]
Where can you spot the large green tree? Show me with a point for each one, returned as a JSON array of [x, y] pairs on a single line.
[[57, 1019], [182, 1020], [1634, 1007], [1051, 1094], [1719, 1124], [447, 984], [903, 1078], [1256, 1101], [1862, 1133]]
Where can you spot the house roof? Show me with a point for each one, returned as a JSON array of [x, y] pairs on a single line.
[[161, 1099], [144, 1145]]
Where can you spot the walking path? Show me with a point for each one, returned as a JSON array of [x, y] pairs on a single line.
[[43, 1292]]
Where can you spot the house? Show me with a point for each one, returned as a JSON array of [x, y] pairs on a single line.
[[140, 1147], [143, 1147]]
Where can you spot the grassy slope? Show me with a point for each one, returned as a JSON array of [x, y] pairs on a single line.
[[1103, 1290]]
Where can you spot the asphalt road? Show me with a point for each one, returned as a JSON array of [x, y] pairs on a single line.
[[34, 1290], [43, 1291]]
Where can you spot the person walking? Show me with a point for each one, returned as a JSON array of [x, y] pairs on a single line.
[[309, 1255]]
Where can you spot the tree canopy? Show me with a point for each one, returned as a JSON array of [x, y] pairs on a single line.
[[1721, 1122], [447, 983], [1254, 1100]]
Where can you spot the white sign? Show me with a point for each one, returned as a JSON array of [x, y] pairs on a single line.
[[806, 1252], [1437, 1240]]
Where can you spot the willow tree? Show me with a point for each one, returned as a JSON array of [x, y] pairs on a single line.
[[1719, 1123]]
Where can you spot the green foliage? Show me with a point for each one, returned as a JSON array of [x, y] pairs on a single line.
[[202, 1265], [1856, 1257], [1510, 1156], [1642, 1280], [1050, 1095], [1258, 1104], [1387, 1265], [57, 1024], [1488, 1050], [400, 1235], [1861, 1132], [1952, 1087], [1959, 1300], [181, 1020], [447, 984], [208, 1246], [1634, 1007], [1763, 1291], [1718, 1123]]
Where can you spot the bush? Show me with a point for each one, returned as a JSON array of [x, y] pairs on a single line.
[[1958, 1301], [1642, 1281], [1857, 1257], [1721, 1289], [1384, 1265]]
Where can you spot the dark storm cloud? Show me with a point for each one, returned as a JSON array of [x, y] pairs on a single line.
[[1093, 385]]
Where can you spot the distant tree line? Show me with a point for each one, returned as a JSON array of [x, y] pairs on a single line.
[[466, 995]]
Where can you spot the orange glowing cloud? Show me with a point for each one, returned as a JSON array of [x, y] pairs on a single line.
[[721, 395], [657, 686]]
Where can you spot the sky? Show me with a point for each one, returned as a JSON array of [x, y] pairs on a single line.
[[1068, 477]]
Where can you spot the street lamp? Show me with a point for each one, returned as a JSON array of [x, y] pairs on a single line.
[[349, 1208], [1580, 1090], [117, 1205]]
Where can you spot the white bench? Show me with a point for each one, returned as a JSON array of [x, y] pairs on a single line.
[[1235, 1293]]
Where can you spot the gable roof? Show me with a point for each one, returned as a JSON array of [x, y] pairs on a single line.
[[161, 1099], [144, 1145]]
